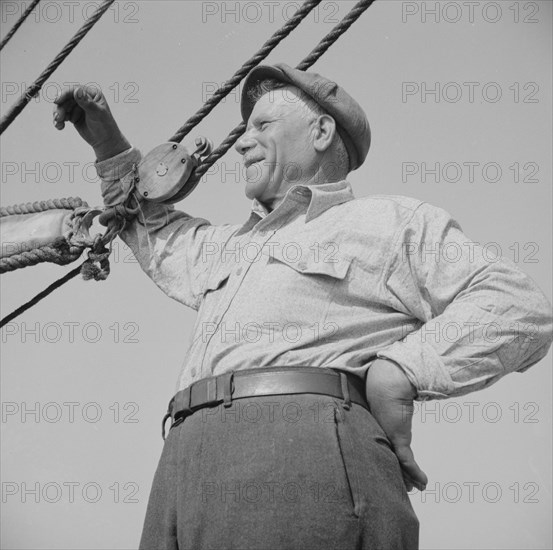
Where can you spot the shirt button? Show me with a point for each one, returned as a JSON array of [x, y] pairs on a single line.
[[239, 271], [193, 372], [302, 266]]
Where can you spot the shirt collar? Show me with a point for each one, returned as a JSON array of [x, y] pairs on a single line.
[[325, 196], [259, 208], [321, 197]]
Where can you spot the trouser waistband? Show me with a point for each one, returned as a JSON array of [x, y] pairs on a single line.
[[227, 387]]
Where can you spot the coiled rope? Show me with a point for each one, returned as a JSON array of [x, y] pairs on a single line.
[[35, 87], [18, 23]]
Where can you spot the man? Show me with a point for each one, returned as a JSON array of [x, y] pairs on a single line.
[[311, 313]]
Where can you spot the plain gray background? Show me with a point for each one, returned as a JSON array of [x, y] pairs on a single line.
[[114, 348]]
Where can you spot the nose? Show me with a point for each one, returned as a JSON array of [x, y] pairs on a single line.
[[245, 143]]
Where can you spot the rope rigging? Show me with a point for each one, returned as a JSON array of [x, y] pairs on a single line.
[[35, 87], [18, 23], [118, 214], [307, 62], [72, 274], [239, 75], [62, 251]]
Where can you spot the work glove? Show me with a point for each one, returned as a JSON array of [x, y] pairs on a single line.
[[87, 109]]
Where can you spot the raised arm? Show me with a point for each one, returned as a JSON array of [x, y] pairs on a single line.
[[169, 245]]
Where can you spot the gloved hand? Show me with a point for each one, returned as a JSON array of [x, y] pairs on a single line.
[[87, 109], [390, 396]]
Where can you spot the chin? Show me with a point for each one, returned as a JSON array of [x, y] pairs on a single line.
[[254, 190], [252, 193]]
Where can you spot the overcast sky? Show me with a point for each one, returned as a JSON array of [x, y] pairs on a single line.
[[459, 102]]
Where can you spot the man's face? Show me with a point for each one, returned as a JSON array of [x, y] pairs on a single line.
[[277, 147]]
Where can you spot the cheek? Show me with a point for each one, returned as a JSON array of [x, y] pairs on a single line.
[[294, 144]]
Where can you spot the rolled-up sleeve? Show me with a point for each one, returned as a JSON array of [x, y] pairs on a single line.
[[480, 316], [174, 249]]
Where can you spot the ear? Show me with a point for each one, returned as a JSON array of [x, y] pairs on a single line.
[[324, 132]]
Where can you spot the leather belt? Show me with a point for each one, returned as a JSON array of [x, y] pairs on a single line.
[[257, 382]]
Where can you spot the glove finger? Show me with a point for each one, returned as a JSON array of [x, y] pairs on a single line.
[[65, 95], [76, 114]]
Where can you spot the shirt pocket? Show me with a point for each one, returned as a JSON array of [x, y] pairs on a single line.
[[309, 263], [301, 288]]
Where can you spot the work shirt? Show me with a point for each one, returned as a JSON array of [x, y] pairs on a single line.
[[332, 281]]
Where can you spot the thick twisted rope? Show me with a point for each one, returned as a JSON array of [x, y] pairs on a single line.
[[319, 50], [100, 255], [60, 251], [56, 62], [230, 84], [41, 206], [335, 33], [18, 23]]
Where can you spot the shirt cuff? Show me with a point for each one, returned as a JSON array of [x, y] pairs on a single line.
[[423, 367], [114, 168]]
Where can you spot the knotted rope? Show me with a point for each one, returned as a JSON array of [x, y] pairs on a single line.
[[99, 253], [18, 23], [35, 87], [63, 250], [68, 248], [60, 252]]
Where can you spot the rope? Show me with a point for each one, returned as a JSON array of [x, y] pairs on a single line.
[[89, 270], [60, 252], [230, 84], [70, 203], [319, 50], [100, 253], [18, 23], [40, 296], [57, 61], [343, 26]]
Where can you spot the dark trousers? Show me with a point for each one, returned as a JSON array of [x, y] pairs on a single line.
[[279, 472]]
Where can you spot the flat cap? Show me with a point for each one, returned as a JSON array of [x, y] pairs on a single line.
[[351, 120]]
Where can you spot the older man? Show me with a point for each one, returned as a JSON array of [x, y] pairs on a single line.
[[291, 424]]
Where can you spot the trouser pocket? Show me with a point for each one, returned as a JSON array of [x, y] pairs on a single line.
[[378, 496], [345, 447]]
